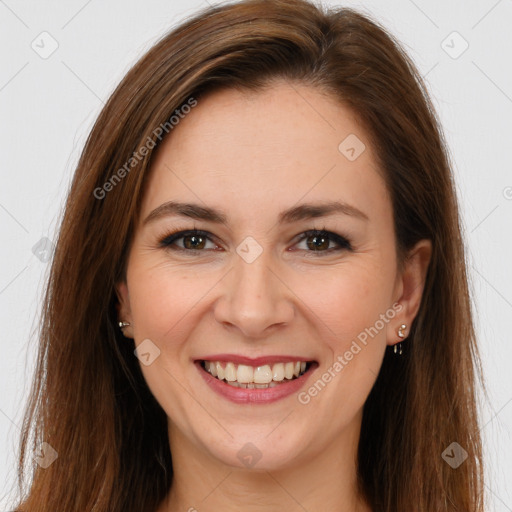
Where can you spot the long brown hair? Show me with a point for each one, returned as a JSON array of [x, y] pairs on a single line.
[[89, 399]]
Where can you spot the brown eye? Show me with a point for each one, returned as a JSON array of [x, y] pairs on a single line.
[[193, 240], [317, 241]]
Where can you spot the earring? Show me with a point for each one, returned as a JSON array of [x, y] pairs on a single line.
[[398, 346], [122, 325]]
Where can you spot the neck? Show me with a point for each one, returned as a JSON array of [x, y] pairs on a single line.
[[312, 482]]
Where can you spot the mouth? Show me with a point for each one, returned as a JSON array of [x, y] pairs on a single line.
[[264, 381], [256, 377]]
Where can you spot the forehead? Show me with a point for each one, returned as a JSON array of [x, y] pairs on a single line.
[[267, 150]]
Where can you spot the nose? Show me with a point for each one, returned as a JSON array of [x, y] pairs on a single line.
[[255, 298]]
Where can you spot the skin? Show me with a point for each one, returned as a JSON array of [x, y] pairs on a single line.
[[253, 155]]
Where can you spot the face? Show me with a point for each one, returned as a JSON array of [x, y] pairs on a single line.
[[255, 293]]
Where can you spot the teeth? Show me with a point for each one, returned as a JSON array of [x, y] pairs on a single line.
[[278, 372], [230, 372], [262, 374], [259, 377], [244, 374], [219, 371]]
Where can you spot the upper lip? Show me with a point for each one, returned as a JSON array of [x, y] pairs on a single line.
[[253, 361]]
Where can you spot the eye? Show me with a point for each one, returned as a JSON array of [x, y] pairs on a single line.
[[195, 240], [321, 239]]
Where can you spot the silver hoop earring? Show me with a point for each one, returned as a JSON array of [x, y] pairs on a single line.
[[122, 325]]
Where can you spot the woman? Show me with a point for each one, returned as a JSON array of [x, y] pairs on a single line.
[[258, 299]]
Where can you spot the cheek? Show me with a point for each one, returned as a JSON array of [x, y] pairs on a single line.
[[348, 301], [348, 308], [162, 299], [162, 303]]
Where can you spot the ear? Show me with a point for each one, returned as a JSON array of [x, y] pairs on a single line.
[[124, 312], [409, 287]]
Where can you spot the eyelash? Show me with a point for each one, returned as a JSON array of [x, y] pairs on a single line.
[[344, 244]]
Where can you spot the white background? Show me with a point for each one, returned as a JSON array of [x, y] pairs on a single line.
[[47, 107]]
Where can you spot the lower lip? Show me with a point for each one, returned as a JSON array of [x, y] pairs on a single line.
[[255, 396]]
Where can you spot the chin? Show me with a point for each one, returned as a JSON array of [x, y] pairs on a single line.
[[259, 452]]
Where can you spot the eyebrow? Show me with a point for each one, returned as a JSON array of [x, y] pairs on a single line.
[[294, 214]]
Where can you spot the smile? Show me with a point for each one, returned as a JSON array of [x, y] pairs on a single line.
[[255, 377], [262, 381]]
